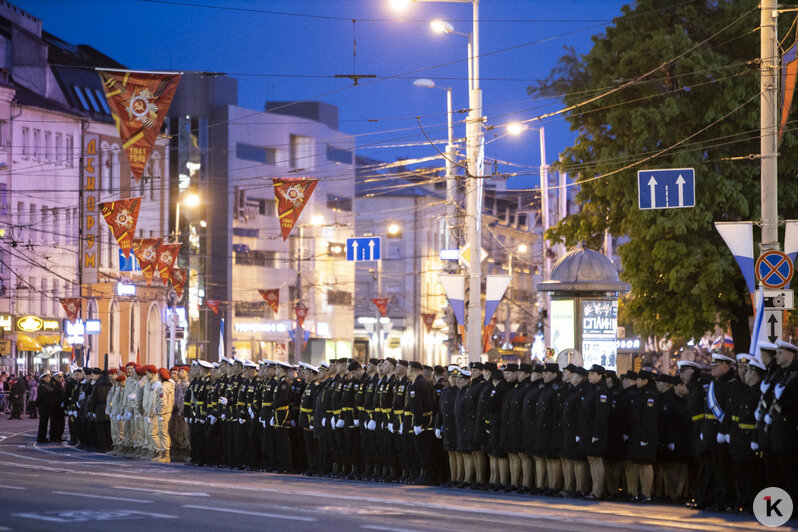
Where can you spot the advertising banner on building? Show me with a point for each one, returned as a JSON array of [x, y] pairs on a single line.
[[562, 324], [139, 102], [599, 330], [122, 216], [291, 195], [146, 251], [90, 244]]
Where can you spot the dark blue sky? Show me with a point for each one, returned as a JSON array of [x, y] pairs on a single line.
[[282, 57]]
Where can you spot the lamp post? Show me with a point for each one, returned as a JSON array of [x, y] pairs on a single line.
[[299, 333], [451, 185], [190, 200]]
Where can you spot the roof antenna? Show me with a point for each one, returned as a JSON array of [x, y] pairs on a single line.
[[354, 77]]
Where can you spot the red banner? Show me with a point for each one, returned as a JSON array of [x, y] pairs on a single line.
[[291, 195], [301, 312], [382, 304], [146, 251], [178, 277], [71, 307], [487, 332], [167, 258], [272, 297], [138, 102], [122, 216], [213, 304], [429, 319]]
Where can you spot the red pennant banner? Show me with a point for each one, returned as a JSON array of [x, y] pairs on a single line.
[[382, 304], [272, 297], [213, 304], [291, 195], [301, 312], [429, 319], [487, 332], [71, 307], [146, 251], [122, 216], [167, 258], [138, 102], [178, 277]]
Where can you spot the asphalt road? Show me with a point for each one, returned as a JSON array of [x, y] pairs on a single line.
[[56, 487]]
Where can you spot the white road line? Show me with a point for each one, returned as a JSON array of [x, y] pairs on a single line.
[[388, 528], [12, 488], [245, 512], [166, 492], [90, 496]]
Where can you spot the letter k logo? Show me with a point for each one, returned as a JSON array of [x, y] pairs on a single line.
[[772, 507]]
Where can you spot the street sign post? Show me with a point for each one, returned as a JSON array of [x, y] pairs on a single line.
[[773, 269], [772, 327], [666, 189], [363, 249]]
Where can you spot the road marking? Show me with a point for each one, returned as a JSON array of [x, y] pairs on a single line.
[[245, 512], [79, 516], [12, 488], [90, 496], [388, 528], [166, 492]]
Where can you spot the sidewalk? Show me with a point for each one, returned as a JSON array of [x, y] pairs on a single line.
[[22, 430]]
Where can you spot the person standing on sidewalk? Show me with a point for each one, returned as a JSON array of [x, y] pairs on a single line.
[[45, 402]]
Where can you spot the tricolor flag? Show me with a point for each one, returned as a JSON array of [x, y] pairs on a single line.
[[789, 71]]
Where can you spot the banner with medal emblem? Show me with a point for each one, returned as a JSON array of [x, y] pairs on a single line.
[[291, 195], [382, 304], [178, 278], [138, 102], [213, 304], [167, 258], [71, 307], [146, 251], [122, 217], [429, 319], [272, 297], [301, 312]]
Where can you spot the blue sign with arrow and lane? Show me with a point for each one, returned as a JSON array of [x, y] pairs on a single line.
[[363, 249], [666, 189]]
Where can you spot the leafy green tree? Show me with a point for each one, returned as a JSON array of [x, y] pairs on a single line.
[[684, 279]]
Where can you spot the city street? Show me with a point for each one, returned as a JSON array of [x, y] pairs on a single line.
[[47, 487]]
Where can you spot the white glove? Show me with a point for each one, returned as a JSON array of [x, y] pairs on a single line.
[[417, 430], [129, 415], [293, 423], [251, 413], [339, 424], [160, 418], [223, 400], [201, 421], [212, 419], [311, 427], [263, 423], [149, 419], [643, 443], [701, 436], [671, 447], [727, 438], [754, 446], [594, 440], [577, 438], [758, 414], [778, 390], [271, 421], [242, 420], [625, 437], [357, 422], [768, 419], [401, 427], [186, 420], [131, 396], [371, 425], [721, 438], [324, 422], [332, 422], [438, 434], [223, 416], [390, 428]]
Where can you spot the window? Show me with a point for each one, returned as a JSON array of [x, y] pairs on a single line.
[[48, 146], [37, 144], [56, 295], [258, 154], [26, 148], [31, 222], [338, 155], [3, 198], [266, 207], [103, 103], [43, 298], [339, 298], [339, 203], [4, 140], [81, 97], [69, 145], [59, 148], [250, 309], [301, 154], [44, 226], [56, 227], [254, 257]]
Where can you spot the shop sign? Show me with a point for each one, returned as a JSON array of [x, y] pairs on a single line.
[[266, 327], [6, 321], [30, 324]]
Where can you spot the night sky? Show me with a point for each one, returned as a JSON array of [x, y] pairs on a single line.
[[276, 54]]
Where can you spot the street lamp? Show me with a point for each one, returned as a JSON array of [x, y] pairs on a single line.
[[317, 220], [190, 200], [451, 186], [394, 230]]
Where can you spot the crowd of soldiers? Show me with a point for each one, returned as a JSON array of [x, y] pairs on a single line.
[[710, 440], [134, 411]]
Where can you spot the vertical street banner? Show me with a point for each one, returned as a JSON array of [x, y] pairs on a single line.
[[178, 277], [495, 287], [454, 288], [122, 216], [167, 258], [428, 319], [487, 333], [146, 251], [291, 195], [71, 307], [139, 102], [301, 312], [213, 304], [789, 73], [382, 304], [90, 182], [272, 298], [739, 237]]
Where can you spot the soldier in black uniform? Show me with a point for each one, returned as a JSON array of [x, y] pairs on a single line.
[[481, 434], [548, 416], [197, 411], [243, 414], [281, 420], [511, 436], [783, 417], [749, 477], [497, 457], [574, 465], [474, 464], [213, 428], [644, 415], [664, 468], [351, 419], [320, 428], [265, 415], [71, 393], [446, 426], [767, 355], [401, 432], [694, 400], [535, 481], [593, 427], [224, 404], [420, 404], [306, 418], [365, 418], [614, 452], [333, 415], [440, 381]]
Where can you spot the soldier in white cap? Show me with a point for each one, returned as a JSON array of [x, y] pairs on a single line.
[[743, 446], [767, 355], [783, 417]]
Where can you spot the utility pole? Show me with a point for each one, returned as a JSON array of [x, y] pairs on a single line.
[[544, 220], [474, 188], [768, 142], [452, 241], [299, 334]]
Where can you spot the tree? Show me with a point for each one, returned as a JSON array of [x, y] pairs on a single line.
[[684, 279]]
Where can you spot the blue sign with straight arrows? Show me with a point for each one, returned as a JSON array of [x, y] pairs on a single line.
[[363, 249], [666, 189]]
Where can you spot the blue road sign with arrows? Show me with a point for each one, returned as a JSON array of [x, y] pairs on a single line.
[[666, 189], [363, 249]]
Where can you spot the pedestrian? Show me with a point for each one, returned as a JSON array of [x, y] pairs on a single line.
[[33, 394], [57, 417], [46, 404], [421, 399], [643, 436], [161, 411], [783, 417], [17, 390], [96, 407]]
